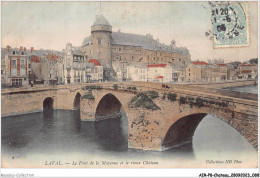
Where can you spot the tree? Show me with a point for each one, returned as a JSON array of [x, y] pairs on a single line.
[[253, 61], [235, 64]]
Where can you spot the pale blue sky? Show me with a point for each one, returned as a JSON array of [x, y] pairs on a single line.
[[50, 25]]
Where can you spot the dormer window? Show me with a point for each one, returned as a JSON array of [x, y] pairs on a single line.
[[13, 52]]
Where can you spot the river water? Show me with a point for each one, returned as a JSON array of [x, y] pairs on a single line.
[[35, 140]]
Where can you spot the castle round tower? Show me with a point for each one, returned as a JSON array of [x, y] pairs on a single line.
[[101, 41]]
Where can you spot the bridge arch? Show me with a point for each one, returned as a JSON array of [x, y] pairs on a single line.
[[181, 131], [112, 125], [48, 103], [76, 103], [108, 107]]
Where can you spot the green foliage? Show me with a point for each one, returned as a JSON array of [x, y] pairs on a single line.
[[115, 86], [134, 88], [152, 94], [253, 61], [211, 102], [221, 104], [224, 104], [191, 104], [92, 87], [134, 99], [164, 96], [205, 101], [199, 102], [235, 64], [172, 97], [143, 101], [89, 96], [182, 100], [131, 88], [190, 98]]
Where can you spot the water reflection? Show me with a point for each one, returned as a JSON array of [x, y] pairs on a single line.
[[245, 89], [110, 134], [76, 121], [48, 119], [185, 150], [61, 131]]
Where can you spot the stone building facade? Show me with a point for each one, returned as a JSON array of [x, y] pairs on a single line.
[[94, 71], [108, 46], [15, 67], [74, 65], [137, 73], [247, 71], [120, 68], [159, 73], [203, 72]]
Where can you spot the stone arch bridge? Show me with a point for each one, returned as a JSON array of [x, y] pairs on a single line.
[[158, 118]]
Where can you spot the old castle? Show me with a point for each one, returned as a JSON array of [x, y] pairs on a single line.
[[108, 47]]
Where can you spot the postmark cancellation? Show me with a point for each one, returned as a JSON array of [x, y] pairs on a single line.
[[230, 24]]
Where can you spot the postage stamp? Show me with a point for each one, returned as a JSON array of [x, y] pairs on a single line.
[[230, 25]]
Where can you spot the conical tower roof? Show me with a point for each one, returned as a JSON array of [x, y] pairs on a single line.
[[101, 21]]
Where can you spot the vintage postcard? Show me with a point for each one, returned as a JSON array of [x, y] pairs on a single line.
[[129, 84]]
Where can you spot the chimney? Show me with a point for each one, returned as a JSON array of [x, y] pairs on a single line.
[[24, 49], [21, 48], [32, 49], [8, 48]]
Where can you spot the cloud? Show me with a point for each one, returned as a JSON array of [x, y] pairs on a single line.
[[51, 25]]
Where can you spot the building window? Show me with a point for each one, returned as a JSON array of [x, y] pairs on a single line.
[[119, 49], [14, 63], [99, 41], [13, 52], [22, 63], [16, 82]]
